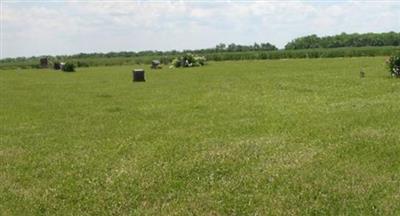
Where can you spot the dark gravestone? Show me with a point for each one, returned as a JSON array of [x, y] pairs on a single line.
[[138, 75], [155, 64], [44, 63], [362, 73], [57, 66]]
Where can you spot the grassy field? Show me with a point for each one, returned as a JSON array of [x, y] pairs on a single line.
[[277, 137]]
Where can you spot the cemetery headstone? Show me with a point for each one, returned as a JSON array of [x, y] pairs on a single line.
[[138, 75]]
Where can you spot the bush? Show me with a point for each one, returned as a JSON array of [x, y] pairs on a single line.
[[176, 62], [69, 67], [394, 65], [188, 60], [199, 60]]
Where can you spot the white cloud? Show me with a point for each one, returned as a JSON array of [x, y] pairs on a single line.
[[102, 26]]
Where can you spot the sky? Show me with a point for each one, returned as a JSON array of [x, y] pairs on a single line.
[[55, 27]]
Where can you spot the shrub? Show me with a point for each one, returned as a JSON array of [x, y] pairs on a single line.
[[176, 62], [199, 60], [188, 60], [69, 67], [394, 65]]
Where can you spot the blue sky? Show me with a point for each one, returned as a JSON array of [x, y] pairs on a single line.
[[31, 28]]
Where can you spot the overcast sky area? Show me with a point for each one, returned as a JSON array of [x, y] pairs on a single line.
[[32, 28]]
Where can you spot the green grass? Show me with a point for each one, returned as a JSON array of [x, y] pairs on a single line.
[[277, 137]]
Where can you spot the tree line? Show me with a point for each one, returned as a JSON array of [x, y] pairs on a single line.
[[308, 42], [345, 40]]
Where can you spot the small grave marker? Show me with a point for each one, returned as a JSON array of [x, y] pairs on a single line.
[[57, 66], [155, 64], [44, 63], [362, 73], [138, 75]]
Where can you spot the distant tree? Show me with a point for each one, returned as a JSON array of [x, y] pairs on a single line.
[[268, 46], [345, 40], [232, 47], [220, 47]]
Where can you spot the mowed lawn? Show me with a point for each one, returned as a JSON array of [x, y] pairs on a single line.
[[277, 137]]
